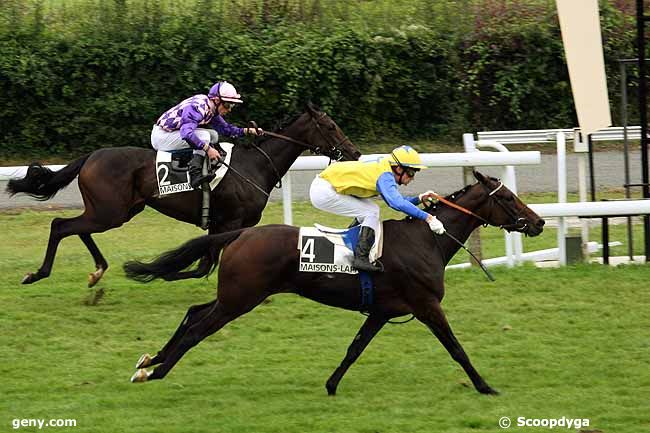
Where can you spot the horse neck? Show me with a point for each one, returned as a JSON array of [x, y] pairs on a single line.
[[282, 153], [458, 224]]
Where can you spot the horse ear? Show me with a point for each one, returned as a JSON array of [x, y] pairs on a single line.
[[479, 176], [312, 108]]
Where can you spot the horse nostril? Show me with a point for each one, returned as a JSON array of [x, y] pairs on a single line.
[[541, 223]]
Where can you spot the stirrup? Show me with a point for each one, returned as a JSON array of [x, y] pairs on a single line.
[[198, 182], [365, 265]]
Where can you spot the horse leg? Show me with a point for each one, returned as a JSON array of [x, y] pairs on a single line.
[[368, 330], [218, 318], [60, 229], [433, 316], [194, 314], [100, 262]]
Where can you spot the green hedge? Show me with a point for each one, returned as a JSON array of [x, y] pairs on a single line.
[[104, 82]]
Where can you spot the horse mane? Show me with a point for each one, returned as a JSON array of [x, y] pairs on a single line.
[[288, 120], [285, 122]]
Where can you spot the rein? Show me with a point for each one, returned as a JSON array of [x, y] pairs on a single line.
[[259, 188], [292, 140], [480, 218], [460, 208], [480, 263], [337, 154], [515, 217]]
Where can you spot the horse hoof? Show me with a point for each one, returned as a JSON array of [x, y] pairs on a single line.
[[141, 375], [94, 277], [144, 361], [29, 278]]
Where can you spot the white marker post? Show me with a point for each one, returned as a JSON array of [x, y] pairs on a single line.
[[583, 48]]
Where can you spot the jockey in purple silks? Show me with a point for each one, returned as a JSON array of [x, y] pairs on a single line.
[[196, 123]]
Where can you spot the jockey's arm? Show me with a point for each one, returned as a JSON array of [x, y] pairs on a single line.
[[387, 187], [224, 128], [189, 122]]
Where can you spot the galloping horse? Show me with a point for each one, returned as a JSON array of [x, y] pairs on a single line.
[[117, 183], [261, 261]]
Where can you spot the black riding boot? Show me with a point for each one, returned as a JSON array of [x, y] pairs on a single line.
[[362, 250], [196, 172]]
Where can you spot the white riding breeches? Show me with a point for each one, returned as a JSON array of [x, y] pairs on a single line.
[[164, 140], [324, 197]]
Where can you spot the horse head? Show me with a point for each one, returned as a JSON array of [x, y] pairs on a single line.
[[324, 136], [500, 207]]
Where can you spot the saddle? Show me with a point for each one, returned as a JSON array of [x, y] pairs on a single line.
[[331, 250]]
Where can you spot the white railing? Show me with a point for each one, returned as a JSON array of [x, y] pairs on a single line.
[[320, 162], [533, 136], [592, 208], [563, 209], [7, 173]]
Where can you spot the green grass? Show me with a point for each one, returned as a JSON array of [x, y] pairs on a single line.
[[569, 342]]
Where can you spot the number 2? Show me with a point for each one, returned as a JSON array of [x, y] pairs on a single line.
[[163, 178]]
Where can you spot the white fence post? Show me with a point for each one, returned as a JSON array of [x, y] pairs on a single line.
[[286, 199], [561, 195], [581, 149]]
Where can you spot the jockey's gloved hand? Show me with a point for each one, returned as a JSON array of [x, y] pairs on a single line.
[[253, 131], [426, 196], [213, 154], [435, 225]]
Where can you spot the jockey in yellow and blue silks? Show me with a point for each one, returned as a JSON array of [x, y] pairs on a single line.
[[346, 188]]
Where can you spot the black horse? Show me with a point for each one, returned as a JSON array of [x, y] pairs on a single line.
[[261, 261], [117, 183]]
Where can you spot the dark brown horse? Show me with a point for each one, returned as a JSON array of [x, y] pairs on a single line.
[[261, 261], [117, 183]]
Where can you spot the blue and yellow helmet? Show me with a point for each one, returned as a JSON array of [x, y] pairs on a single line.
[[406, 156]]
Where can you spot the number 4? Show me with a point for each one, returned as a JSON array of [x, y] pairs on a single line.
[[308, 250]]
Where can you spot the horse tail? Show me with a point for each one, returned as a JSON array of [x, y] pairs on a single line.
[[43, 183], [170, 265]]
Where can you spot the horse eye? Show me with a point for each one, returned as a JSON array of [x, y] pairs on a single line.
[[332, 127]]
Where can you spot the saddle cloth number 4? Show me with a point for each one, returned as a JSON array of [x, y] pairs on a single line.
[[319, 254]]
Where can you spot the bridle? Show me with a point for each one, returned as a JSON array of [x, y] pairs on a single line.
[[491, 194], [519, 223], [333, 151]]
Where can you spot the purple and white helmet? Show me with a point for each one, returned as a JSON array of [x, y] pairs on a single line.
[[226, 92]]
